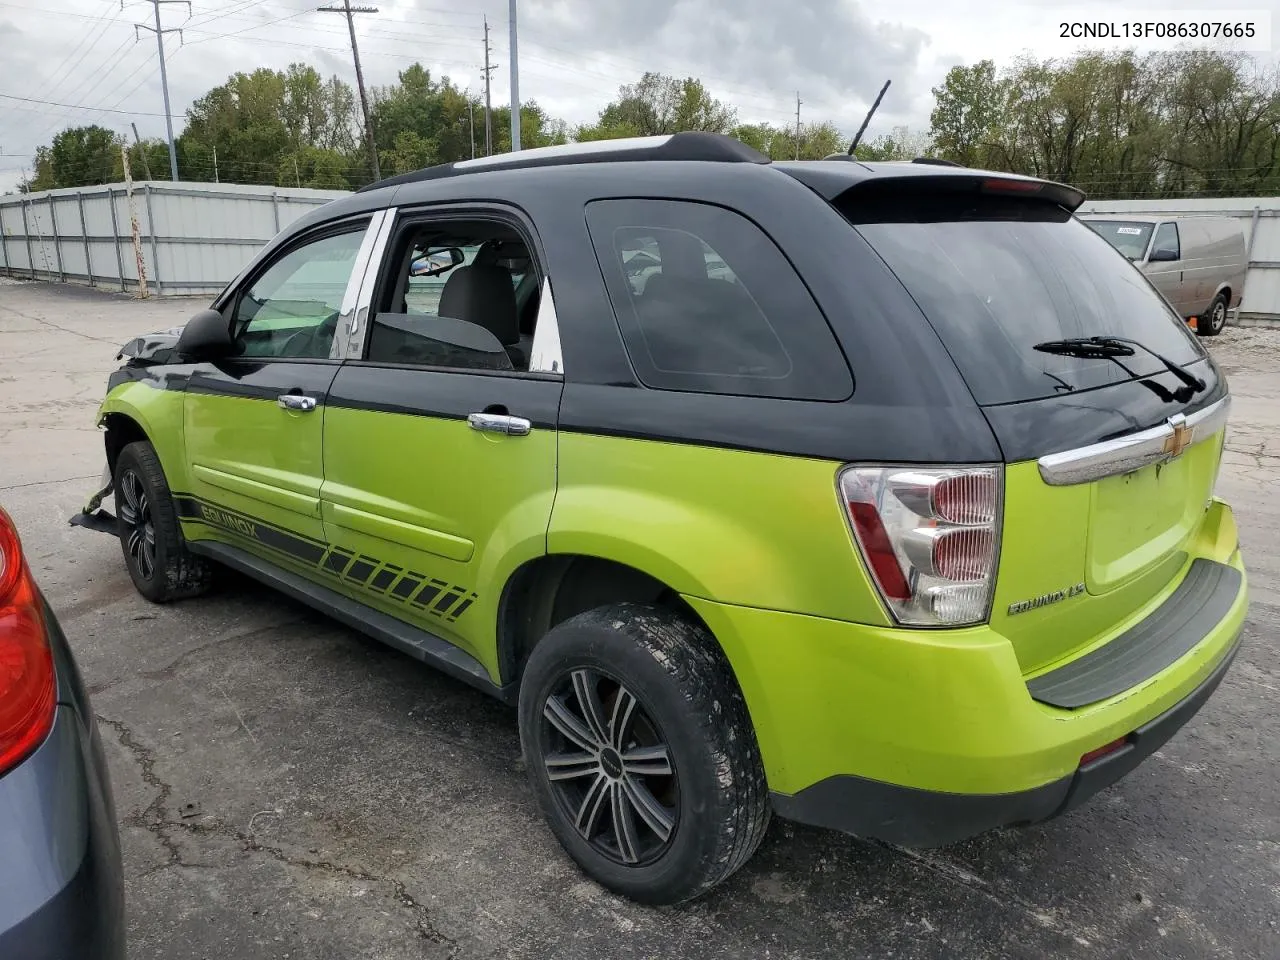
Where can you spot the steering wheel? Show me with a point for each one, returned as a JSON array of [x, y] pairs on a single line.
[[314, 342]]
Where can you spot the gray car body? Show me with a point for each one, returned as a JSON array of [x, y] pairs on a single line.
[[61, 878]]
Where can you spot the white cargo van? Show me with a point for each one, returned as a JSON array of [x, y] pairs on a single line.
[[1197, 263]]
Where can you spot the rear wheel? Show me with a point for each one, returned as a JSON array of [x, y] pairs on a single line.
[[1215, 318], [155, 552], [641, 752]]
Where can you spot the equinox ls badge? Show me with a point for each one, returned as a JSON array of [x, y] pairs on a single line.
[[1022, 606]]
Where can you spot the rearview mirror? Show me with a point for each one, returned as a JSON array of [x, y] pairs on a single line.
[[206, 335], [1165, 255], [436, 263]]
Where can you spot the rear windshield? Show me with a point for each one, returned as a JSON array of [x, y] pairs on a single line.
[[997, 277], [1129, 238]]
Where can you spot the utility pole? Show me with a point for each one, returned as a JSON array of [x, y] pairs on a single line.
[[164, 76], [215, 164], [798, 102], [143, 293], [471, 109], [349, 11], [515, 83], [488, 101], [146, 164]]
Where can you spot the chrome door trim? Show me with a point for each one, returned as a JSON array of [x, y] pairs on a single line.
[[500, 423], [379, 236], [1135, 450]]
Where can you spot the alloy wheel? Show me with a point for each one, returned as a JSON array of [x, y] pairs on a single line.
[[610, 769], [135, 515]]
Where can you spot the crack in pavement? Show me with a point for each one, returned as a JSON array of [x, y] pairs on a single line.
[[152, 817], [40, 483], [947, 870], [50, 323], [154, 820], [167, 671]]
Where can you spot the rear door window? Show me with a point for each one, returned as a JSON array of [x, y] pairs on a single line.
[[707, 303], [997, 277]]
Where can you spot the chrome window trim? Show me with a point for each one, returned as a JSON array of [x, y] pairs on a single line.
[[545, 356], [351, 296], [1133, 451], [377, 239]]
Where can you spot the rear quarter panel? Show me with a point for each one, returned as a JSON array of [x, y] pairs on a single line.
[[752, 529]]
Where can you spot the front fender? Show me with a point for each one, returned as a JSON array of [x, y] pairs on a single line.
[[153, 403]]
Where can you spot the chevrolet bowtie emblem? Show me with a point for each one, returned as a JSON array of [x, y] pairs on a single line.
[[1181, 439]]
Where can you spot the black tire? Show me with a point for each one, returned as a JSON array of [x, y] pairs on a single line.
[[1215, 318], [155, 553], [714, 800]]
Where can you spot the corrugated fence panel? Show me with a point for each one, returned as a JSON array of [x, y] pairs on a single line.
[[203, 233]]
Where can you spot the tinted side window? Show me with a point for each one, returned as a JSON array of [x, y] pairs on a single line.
[[455, 297], [707, 303], [291, 309], [1167, 240]]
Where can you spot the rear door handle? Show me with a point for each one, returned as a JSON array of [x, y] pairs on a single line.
[[296, 401], [500, 423]]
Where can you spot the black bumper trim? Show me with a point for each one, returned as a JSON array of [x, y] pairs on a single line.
[[912, 817], [1204, 597], [100, 521]]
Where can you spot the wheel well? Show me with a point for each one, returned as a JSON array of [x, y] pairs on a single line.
[[550, 590], [1226, 292], [122, 430]]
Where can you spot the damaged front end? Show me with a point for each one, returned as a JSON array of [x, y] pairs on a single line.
[[152, 349]]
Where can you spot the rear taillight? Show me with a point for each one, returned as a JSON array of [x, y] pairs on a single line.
[[28, 689], [929, 538]]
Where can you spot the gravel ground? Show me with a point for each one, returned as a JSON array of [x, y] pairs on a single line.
[[348, 802]]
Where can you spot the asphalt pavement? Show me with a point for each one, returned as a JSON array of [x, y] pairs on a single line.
[[289, 789]]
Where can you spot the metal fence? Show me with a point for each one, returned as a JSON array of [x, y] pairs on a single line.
[[1260, 218], [194, 236]]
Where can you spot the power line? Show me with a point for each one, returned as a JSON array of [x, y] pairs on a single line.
[[76, 106], [349, 11]]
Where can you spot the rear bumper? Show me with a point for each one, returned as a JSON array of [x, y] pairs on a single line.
[[925, 818], [925, 737]]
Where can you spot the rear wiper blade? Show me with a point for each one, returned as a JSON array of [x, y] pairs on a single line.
[[1088, 348], [1111, 348]]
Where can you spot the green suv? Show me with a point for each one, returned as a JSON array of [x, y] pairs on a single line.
[[879, 497]]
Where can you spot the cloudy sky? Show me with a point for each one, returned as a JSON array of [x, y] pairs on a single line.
[[78, 62]]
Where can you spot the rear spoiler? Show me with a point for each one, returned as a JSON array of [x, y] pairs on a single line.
[[834, 180]]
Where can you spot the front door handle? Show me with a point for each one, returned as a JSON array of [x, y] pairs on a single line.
[[500, 423], [296, 401]]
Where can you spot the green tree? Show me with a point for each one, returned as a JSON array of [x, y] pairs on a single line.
[[968, 112], [659, 104], [78, 157], [260, 122]]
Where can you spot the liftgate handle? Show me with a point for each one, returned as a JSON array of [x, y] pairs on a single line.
[[294, 401], [500, 423]]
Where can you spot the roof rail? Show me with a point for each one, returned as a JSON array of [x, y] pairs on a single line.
[[937, 162], [687, 145]]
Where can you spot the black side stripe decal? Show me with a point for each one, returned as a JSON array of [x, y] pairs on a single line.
[[373, 574]]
